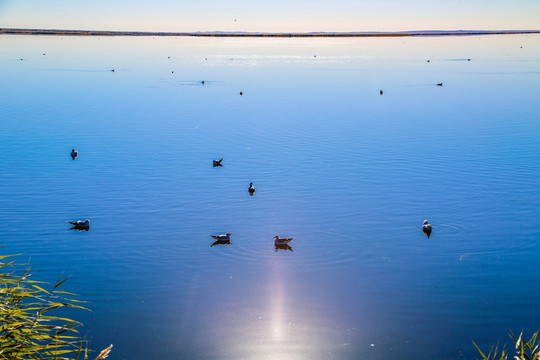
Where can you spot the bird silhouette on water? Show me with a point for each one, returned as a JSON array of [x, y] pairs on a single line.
[[217, 162], [426, 228], [251, 189], [80, 225], [226, 236], [223, 239], [74, 154], [282, 243]]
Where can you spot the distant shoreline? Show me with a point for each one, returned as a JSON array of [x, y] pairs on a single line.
[[262, 34]]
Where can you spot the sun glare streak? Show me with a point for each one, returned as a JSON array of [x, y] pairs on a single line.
[[277, 306]]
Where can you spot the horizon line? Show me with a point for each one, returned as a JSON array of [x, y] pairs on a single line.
[[66, 32]]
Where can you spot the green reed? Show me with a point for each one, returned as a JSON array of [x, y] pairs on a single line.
[[524, 349], [30, 325]]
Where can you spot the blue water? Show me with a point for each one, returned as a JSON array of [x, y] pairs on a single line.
[[349, 173]]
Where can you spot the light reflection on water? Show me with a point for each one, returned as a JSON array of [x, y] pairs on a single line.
[[349, 173]]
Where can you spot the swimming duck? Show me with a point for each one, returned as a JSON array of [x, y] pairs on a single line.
[[217, 162], [380, 92], [80, 225], [439, 84], [426, 228], [223, 237], [74, 154], [281, 241], [241, 93], [251, 188]]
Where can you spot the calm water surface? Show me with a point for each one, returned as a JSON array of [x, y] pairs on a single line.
[[349, 173]]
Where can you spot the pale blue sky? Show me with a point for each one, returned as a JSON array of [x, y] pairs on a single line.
[[272, 16]]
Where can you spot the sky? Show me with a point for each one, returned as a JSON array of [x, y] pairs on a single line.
[[271, 15]]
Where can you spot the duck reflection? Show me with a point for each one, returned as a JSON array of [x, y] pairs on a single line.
[[80, 225], [278, 247], [221, 242]]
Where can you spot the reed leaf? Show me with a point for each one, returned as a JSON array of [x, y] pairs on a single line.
[[104, 353]]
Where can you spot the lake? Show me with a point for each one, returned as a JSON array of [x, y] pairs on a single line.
[[348, 172]]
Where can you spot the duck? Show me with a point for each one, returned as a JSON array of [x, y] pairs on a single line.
[[380, 92], [426, 228], [80, 225], [251, 188], [217, 162], [74, 154], [439, 84], [281, 241], [241, 93], [222, 237]]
